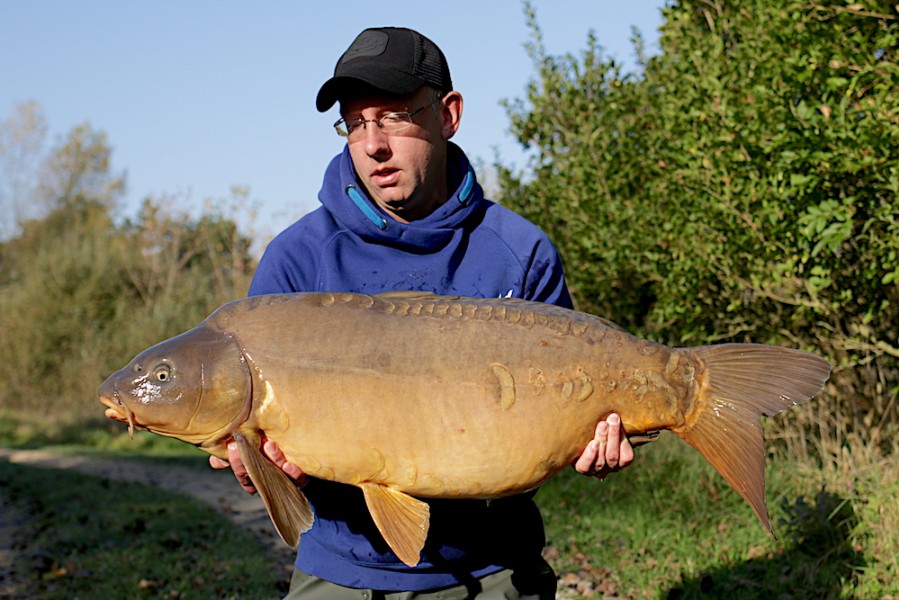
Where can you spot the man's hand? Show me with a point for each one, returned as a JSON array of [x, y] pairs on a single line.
[[607, 452], [274, 454]]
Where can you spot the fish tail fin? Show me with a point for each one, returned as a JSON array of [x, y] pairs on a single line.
[[742, 383]]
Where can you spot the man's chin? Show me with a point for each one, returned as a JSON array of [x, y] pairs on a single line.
[[400, 209]]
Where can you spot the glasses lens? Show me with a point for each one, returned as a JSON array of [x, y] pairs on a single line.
[[389, 123], [395, 121]]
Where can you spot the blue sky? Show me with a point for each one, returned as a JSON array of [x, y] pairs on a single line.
[[198, 96]]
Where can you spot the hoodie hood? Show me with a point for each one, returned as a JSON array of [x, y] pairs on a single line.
[[349, 204]]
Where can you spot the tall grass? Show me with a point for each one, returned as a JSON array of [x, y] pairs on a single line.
[[669, 527]]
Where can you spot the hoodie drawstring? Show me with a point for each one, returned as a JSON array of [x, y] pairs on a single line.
[[381, 223], [365, 207], [467, 185]]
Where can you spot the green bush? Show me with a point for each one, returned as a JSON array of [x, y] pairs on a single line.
[[81, 294], [743, 187]]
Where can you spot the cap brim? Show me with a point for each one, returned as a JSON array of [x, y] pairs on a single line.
[[386, 80]]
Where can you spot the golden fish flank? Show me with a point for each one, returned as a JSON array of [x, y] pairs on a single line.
[[336, 380]]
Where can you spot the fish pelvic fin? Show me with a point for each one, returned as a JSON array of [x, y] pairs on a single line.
[[401, 519], [286, 504], [742, 383]]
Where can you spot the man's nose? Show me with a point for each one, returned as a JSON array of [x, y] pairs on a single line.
[[376, 141]]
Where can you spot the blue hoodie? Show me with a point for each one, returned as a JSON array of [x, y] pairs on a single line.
[[470, 247]]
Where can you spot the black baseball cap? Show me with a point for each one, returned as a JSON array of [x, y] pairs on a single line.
[[395, 60]]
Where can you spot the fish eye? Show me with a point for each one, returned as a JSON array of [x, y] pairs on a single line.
[[162, 373]]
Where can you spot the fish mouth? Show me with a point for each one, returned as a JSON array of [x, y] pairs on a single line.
[[117, 411]]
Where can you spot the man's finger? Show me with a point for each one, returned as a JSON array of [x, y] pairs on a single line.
[[218, 463], [273, 451], [584, 463], [611, 454], [602, 442], [240, 471]]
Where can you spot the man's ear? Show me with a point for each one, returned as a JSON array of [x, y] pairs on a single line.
[[451, 112]]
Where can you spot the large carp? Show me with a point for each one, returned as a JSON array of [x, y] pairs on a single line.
[[411, 395]]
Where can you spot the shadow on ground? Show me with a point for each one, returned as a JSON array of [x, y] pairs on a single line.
[[818, 561]]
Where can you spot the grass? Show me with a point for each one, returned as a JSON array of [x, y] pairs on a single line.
[[87, 537], [91, 434], [672, 528], [668, 527]]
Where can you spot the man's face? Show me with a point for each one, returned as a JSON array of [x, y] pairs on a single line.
[[404, 171]]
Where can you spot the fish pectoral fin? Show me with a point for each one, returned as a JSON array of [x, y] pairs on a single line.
[[401, 519], [286, 504]]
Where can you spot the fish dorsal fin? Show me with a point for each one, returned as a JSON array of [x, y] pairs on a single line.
[[286, 504], [401, 519]]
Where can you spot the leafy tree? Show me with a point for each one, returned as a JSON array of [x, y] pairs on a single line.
[[742, 187], [21, 142], [77, 172], [81, 294]]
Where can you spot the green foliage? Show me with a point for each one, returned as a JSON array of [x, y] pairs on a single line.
[[81, 294], [878, 530], [743, 187], [87, 537]]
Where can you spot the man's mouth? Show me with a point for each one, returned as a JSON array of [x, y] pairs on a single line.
[[385, 177]]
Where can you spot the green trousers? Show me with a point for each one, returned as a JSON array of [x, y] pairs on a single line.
[[539, 583]]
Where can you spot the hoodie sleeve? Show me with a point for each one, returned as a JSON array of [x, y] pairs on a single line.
[[545, 280], [286, 266]]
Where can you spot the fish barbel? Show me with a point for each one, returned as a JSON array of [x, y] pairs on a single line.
[[410, 395]]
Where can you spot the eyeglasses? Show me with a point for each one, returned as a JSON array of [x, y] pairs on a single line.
[[388, 123]]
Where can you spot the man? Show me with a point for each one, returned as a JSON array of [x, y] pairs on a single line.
[[402, 210]]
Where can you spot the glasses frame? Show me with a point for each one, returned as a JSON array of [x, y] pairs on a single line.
[[345, 128]]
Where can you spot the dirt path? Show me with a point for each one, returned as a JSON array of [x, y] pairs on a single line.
[[216, 488]]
